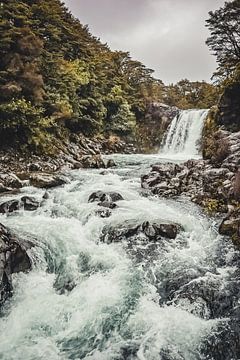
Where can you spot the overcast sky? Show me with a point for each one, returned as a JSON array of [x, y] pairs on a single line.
[[166, 35]]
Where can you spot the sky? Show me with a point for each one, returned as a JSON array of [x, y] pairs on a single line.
[[168, 36]]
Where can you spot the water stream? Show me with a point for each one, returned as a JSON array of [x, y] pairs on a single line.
[[86, 299], [184, 133]]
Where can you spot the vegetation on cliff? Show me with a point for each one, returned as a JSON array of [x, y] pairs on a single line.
[[224, 42]]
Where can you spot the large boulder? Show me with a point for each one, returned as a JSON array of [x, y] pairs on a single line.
[[230, 226], [150, 231], [9, 182], [92, 162], [46, 180], [13, 259], [26, 202]]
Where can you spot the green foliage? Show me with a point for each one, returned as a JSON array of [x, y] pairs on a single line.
[[56, 78], [186, 94], [224, 39], [123, 122]]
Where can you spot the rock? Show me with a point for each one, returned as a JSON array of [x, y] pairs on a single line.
[[45, 180], [4, 189], [153, 231], [108, 204], [13, 259], [29, 203], [105, 196], [26, 202], [167, 230], [103, 213], [77, 165], [10, 206], [110, 163], [46, 195], [34, 167], [92, 162], [230, 226], [11, 181]]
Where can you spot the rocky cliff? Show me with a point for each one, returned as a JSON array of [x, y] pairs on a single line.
[[150, 131]]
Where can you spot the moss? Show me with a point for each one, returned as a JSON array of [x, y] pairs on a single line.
[[213, 206]]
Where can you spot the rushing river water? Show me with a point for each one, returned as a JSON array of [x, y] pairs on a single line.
[[85, 299]]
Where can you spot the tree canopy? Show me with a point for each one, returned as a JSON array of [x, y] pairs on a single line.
[[224, 39], [57, 78]]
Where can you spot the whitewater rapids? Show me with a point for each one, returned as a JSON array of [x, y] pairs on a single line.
[[119, 307]]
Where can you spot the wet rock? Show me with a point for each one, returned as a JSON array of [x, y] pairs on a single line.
[[13, 259], [227, 332], [108, 204], [77, 165], [10, 181], [105, 196], [152, 231], [26, 202], [103, 213], [45, 180], [10, 206], [92, 162], [3, 188], [110, 163], [230, 226], [46, 196], [29, 203], [34, 167]]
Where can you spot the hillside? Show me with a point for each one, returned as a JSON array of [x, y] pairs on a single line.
[[58, 80]]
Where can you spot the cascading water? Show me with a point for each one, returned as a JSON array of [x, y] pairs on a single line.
[[86, 299], [183, 135]]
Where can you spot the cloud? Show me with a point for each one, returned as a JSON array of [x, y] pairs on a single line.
[[166, 35]]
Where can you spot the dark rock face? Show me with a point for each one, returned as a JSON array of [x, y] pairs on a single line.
[[151, 129], [229, 108], [26, 202], [47, 181], [13, 259]]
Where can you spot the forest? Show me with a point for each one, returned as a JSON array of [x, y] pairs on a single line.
[[57, 79]]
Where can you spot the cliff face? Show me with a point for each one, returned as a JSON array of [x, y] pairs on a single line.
[[151, 130], [228, 114]]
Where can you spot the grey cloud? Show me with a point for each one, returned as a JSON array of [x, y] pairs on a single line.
[[166, 35]]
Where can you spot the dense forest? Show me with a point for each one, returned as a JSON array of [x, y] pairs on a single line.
[[57, 79]]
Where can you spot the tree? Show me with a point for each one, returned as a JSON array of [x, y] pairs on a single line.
[[224, 40]]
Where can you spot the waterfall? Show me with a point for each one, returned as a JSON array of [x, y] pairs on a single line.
[[183, 134]]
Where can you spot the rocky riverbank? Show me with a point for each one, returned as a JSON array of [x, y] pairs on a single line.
[[213, 184]]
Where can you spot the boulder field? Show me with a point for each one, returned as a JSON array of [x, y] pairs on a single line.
[[214, 185]]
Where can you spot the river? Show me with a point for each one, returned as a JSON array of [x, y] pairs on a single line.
[[88, 299]]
